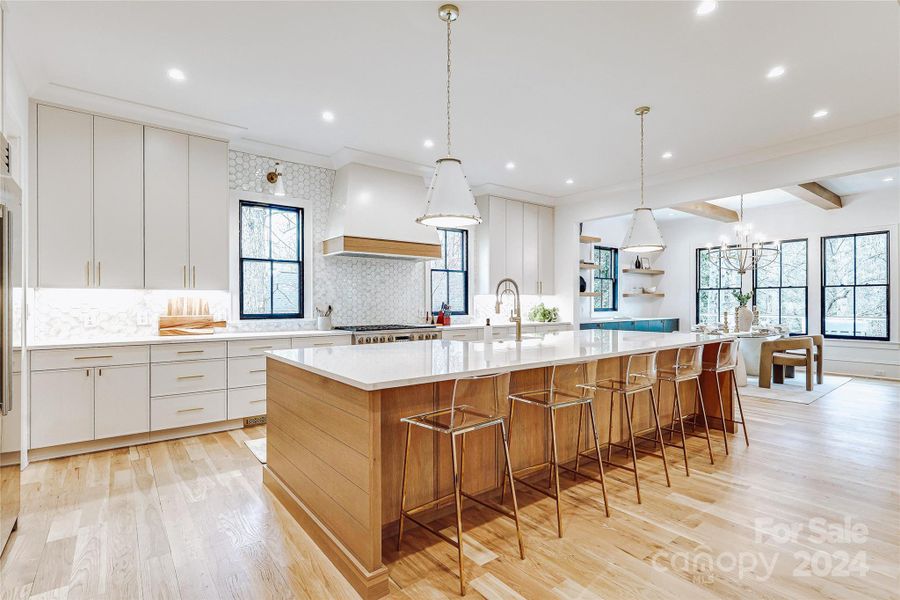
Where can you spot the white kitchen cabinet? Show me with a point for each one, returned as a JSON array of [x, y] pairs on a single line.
[[165, 209], [514, 240], [246, 402], [62, 407], [545, 250], [118, 204], [317, 341], [168, 379], [64, 197], [530, 283], [463, 335], [183, 410], [208, 213], [121, 401]]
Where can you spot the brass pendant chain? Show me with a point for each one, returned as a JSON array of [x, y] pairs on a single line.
[[448, 87]]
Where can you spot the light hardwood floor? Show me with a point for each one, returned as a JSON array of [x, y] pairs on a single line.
[[190, 519]]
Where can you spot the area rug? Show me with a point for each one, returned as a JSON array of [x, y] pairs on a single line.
[[793, 390], [258, 448]]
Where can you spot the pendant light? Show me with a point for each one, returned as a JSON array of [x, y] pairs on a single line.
[[643, 233], [449, 202]]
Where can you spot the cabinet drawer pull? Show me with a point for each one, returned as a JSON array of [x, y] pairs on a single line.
[[257, 370], [87, 273], [184, 410], [324, 344], [180, 377], [93, 357], [260, 347], [190, 351], [257, 401]]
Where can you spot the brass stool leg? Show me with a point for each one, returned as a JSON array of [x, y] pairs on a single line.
[[508, 437], [702, 409], [512, 490], [609, 448], [458, 498], [662, 446], [740, 409], [637, 483], [722, 412], [677, 407], [590, 409], [578, 443], [403, 485], [555, 472], [674, 403]]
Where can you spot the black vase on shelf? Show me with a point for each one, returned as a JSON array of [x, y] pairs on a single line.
[[582, 284], [637, 262]]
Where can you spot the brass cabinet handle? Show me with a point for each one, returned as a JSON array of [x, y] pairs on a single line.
[[324, 344], [87, 273], [257, 370], [97, 283], [194, 273], [190, 351], [257, 401], [184, 410], [260, 347], [93, 357], [184, 276], [180, 377]]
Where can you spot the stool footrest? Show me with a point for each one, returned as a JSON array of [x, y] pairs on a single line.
[[427, 527]]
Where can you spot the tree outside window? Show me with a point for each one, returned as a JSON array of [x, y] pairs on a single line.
[[449, 274], [855, 287], [715, 285], [605, 280], [780, 288]]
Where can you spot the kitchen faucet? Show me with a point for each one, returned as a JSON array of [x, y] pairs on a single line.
[[516, 315]]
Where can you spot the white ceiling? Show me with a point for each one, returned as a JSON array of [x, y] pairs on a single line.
[[550, 86]]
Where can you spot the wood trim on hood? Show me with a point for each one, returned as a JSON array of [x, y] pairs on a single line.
[[362, 246]]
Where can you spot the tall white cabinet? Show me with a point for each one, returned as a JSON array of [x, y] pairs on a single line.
[[186, 212], [123, 205], [514, 240]]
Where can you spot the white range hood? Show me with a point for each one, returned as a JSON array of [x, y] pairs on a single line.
[[373, 214]]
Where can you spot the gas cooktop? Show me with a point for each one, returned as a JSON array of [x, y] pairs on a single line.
[[389, 327]]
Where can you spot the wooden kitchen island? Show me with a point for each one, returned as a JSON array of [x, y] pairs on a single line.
[[335, 440]]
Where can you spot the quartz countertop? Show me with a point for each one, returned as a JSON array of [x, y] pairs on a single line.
[[382, 366], [223, 336]]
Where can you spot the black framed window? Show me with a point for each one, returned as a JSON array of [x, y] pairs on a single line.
[[780, 288], [271, 261], [605, 281], [855, 286], [450, 274], [715, 285]]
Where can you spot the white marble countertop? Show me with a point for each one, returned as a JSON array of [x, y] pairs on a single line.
[[222, 336], [381, 366]]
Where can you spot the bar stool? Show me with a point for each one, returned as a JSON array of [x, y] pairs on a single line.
[[564, 392], [687, 366], [456, 422], [640, 376], [726, 362]]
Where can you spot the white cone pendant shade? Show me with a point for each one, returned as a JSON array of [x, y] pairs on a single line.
[[449, 202], [643, 233]]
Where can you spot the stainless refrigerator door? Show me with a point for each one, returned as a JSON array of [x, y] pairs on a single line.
[[9, 474]]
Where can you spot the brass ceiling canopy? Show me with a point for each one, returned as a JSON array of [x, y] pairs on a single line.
[[448, 12]]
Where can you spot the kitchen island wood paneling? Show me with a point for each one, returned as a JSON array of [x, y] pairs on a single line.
[[335, 440]]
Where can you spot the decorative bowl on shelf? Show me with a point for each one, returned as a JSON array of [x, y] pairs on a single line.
[[650, 290]]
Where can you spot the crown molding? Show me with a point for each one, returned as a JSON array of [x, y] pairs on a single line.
[[346, 155], [281, 152], [492, 189]]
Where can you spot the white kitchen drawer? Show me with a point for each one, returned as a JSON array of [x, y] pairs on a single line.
[[74, 358], [256, 347], [503, 332], [187, 377], [558, 327], [17, 361], [187, 409], [246, 371], [463, 335], [315, 341], [528, 329], [188, 351], [247, 402]]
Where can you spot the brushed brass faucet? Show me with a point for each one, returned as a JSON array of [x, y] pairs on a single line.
[[516, 315]]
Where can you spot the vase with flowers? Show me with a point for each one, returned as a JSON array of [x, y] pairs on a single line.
[[743, 315]]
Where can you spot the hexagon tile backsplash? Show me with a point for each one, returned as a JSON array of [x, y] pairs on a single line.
[[362, 291]]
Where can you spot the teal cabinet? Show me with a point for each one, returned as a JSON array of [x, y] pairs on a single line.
[[655, 325]]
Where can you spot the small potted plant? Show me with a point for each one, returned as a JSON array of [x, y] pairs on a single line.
[[542, 314], [743, 316]]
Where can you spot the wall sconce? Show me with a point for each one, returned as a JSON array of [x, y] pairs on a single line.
[[276, 178]]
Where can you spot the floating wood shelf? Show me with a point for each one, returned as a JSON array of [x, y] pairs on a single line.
[[588, 265], [589, 294], [647, 294], [589, 239], [644, 271]]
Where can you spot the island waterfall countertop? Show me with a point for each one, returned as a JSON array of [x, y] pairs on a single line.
[[385, 366]]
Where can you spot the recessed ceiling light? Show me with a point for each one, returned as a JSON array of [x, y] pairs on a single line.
[[888, 179], [570, 181], [328, 116], [510, 166], [706, 7], [820, 113], [775, 72], [428, 143], [176, 74], [667, 155]]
